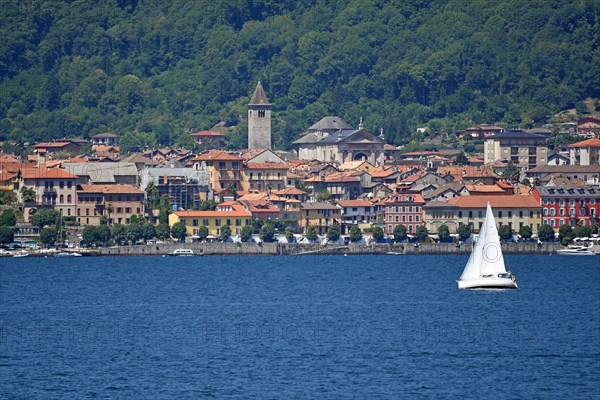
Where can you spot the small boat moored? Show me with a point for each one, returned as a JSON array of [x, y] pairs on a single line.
[[576, 250], [183, 252]]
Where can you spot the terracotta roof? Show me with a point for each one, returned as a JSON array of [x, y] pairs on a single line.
[[208, 134], [252, 153], [496, 201], [355, 203], [484, 188], [217, 155], [259, 206], [595, 142], [382, 173], [8, 158], [289, 191], [416, 198], [7, 176], [237, 211], [51, 144], [110, 189], [46, 173], [104, 135]]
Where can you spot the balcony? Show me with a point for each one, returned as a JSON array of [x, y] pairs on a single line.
[[49, 190]]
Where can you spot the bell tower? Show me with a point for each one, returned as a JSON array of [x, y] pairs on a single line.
[[259, 120]]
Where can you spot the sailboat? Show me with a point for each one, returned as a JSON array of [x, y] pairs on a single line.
[[485, 268]]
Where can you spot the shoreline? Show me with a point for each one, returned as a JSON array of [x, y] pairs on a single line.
[[272, 249]]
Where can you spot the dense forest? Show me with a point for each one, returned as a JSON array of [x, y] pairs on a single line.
[[154, 71]]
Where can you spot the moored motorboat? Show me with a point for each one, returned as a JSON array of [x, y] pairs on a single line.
[[67, 254], [183, 252], [576, 250]]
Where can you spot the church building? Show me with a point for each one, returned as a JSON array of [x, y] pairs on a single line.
[[334, 140], [259, 120]]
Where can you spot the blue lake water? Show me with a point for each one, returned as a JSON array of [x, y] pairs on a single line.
[[296, 327]]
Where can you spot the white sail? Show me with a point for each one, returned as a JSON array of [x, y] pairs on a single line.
[[492, 259], [472, 270]]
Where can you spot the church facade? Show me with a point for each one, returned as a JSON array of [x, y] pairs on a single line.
[[259, 120], [334, 140]]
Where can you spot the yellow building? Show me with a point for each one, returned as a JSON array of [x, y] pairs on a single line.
[[319, 215], [514, 210], [230, 214]]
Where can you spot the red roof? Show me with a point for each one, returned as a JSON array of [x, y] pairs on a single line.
[[355, 203], [7, 176], [51, 144], [110, 189], [46, 173], [595, 142], [496, 201], [217, 155]]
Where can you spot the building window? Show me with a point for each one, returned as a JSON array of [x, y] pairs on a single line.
[[235, 165], [228, 222], [499, 214], [460, 214], [510, 214], [238, 222], [417, 218], [217, 222], [194, 222], [470, 214], [261, 113]]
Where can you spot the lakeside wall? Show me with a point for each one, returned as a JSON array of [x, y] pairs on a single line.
[[304, 249]]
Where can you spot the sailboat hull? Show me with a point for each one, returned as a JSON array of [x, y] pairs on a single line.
[[488, 283]]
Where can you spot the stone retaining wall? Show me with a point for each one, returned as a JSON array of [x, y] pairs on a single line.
[[304, 249]]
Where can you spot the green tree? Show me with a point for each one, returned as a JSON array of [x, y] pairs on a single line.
[[27, 194], [118, 233], [461, 159], [399, 233], [8, 217], [178, 231], [267, 232], [355, 234], [44, 217], [421, 233], [377, 233], [148, 231], [246, 233], [48, 236], [163, 231], [90, 235], [202, 233], [7, 235], [289, 234], [464, 232], [582, 231], [323, 195], [333, 233], [525, 232], [565, 231], [134, 232], [104, 234], [311, 233], [225, 233], [545, 233], [443, 233], [505, 232]]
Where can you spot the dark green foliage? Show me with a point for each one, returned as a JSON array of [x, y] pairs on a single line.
[[289, 234], [209, 205], [311, 233], [461, 159], [225, 233], [27, 194], [377, 233], [202, 233], [96, 235], [525, 232], [8, 217], [267, 232], [464, 232], [421, 233], [48, 236], [246, 233], [545, 233], [582, 231], [333, 233], [44, 217], [7, 234], [119, 233], [565, 231], [323, 195], [443, 233], [134, 231], [152, 71], [178, 231], [505, 232], [148, 231], [162, 231], [355, 234], [399, 233]]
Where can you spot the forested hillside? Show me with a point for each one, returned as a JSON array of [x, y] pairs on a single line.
[[152, 71]]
